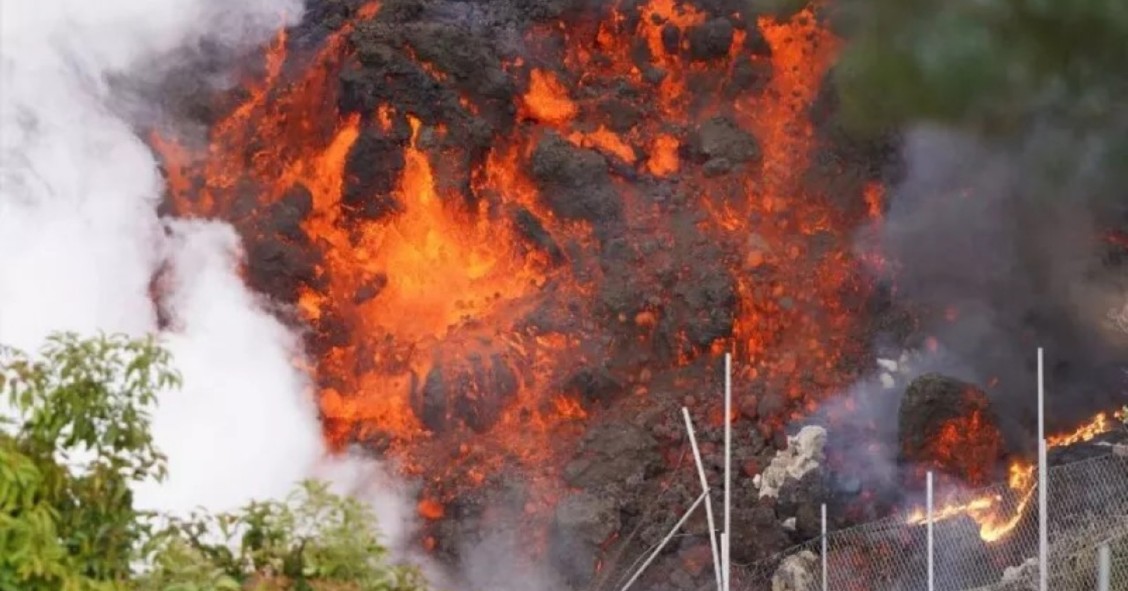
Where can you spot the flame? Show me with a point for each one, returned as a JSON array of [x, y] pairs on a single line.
[[995, 517]]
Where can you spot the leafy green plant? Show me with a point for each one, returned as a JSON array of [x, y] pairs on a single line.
[[76, 438], [313, 540], [75, 435]]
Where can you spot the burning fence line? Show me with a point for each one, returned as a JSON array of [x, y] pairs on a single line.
[[1088, 510], [997, 515]]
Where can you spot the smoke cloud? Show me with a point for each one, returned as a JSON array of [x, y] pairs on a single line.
[[81, 240], [1010, 254]]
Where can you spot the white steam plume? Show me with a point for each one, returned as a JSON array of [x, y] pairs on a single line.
[[80, 240]]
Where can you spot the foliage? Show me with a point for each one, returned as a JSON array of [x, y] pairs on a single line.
[[992, 64], [75, 434], [312, 540], [1041, 81], [78, 437]]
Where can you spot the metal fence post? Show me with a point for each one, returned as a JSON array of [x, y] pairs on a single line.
[[931, 565], [1104, 568], [1043, 483], [824, 577]]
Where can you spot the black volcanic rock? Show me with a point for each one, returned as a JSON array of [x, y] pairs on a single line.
[[803, 499], [472, 391], [711, 298], [711, 39], [282, 262], [469, 58], [950, 424], [720, 144], [593, 385], [372, 171], [574, 182]]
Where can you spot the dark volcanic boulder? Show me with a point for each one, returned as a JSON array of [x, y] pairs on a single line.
[[574, 182], [711, 39], [802, 499], [472, 391], [282, 260], [949, 425], [721, 145], [469, 58]]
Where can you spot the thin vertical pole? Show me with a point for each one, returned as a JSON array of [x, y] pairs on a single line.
[[1043, 480], [824, 577], [931, 554], [1104, 568], [724, 558], [665, 540], [728, 473], [708, 501]]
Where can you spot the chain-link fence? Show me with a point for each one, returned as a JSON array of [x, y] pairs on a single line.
[[986, 540]]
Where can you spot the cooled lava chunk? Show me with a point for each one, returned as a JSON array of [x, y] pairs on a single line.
[[949, 425]]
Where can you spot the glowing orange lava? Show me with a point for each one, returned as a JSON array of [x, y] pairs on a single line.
[[448, 310]]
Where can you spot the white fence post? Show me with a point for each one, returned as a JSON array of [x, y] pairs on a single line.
[[709, 501], [726, 554], [1104, 568], [824, 577], [931, 565], [1043, 480]]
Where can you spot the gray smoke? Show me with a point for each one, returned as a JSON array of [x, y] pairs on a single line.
[[1009, 250]]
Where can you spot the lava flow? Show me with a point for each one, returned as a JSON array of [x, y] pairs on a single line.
[[997, 514], [486, 257]]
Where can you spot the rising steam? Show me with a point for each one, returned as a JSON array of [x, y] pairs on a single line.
[[80, 240]]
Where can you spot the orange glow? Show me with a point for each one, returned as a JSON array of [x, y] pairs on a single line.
[[968, 445], [605, 140], [443, 331], [547, 99], [875, 199], [664, 156], [994, 516], [569, 409], [431, 509]]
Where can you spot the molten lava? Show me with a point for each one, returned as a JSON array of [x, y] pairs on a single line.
[[643, 200], [967, 445]]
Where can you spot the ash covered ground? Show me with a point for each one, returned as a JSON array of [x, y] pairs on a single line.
[[623, 192]]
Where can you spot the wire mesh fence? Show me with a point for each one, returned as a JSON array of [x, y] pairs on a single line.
[[984, 540]]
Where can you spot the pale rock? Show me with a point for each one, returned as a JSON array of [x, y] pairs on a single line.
[[887, 381], [789, 523], [804, 452], [798, 572]]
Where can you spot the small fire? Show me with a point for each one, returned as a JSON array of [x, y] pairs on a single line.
[[993, 513]]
